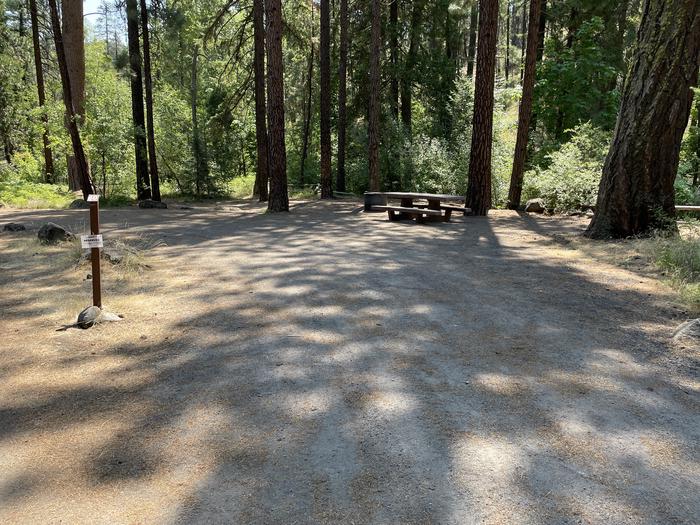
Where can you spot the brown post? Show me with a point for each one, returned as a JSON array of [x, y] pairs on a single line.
[[95, 254]]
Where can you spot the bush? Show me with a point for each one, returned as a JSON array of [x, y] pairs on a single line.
[[680, 259], [570, 182], [22, 194]]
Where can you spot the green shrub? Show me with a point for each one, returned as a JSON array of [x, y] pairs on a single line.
[[22, 194], [570, 182]]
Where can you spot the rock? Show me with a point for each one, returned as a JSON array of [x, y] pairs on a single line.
[[148, 203], [185, 208], [51, 233], [590, 213], [113, 256], [79, 204], [535, 206], [88, 317], [13, 227]]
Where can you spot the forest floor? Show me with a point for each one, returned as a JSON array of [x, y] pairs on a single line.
[[329, 366]]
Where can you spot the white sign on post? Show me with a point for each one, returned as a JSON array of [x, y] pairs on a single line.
[[91, 241], [93, 197]]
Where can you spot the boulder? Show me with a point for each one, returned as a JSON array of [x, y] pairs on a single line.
[[13, 227], [148, 203], [535, 206], [79, 204], [51, 233], [88, 317]]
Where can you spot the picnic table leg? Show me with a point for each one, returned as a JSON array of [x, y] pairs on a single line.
[[434, 204], [406, 202]]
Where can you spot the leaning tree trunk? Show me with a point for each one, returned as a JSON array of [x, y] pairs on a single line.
[[143, 190], [374, 94], [85, 181], [279, 199], [471, 49], [325, 55], [516, 178], [261, 175], [74, 45], [410, 62], [48, 155], [479, 186], [342, 94], [151, 137], [636, 194]]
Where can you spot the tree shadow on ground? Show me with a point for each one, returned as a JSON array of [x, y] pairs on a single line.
[[336, 367]]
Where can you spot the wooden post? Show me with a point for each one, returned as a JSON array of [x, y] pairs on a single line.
[[95, 254]]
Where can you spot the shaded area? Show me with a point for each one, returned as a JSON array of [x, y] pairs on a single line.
[[329, 366]]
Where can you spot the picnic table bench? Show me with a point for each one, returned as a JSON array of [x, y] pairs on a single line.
[[434, 211]]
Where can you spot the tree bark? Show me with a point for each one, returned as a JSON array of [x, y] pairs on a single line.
[[636, 193], [525, 113], [279, 199], [325, 52], [85, 181], [309, 99], [74, 45], [143, 190], [411, 57], [261, 174], [374, 95], [394, 55], [198, 145], [479, 186], [41, 91], [471, 51], [507, 59], [151, 138], [342, 95]]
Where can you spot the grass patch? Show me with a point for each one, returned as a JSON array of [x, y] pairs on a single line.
[[678, 257], [22, 194]]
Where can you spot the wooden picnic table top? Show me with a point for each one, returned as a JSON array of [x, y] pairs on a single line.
[[427, 196]]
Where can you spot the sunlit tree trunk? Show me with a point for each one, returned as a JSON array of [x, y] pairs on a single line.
[[309, 99], [516, 178], [342, 94], [151, 138], [48, 155], [636, 193], [375, 87], [279, 199], [261, 174], [325, 52], [143, 190], [74, 45], [84, 179], [471, 50], [479, 185], [411, 57]]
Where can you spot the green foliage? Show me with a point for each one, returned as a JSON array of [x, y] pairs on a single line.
[[577, 84], [679, 258], [23, 194], [570, 182]]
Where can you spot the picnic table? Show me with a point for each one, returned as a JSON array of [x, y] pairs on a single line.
[[436, 209]]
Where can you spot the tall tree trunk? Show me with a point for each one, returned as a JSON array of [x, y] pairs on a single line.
[[471, 51], [411, 58], [309, 99], [74, 45], [541, 29], [198, 144], [279, 199], [151, 138], [48, 156], [507, 40], [479, 186], [523, 44], [342, 94], [375, 86], [143, 190], [261, 175], [85, 181], [394, 55], [636, 193], [325, 51], [516, 178]]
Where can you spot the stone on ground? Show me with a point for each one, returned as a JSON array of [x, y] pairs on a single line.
[[535, 206], [79, 204], [148, 203], [89, 316], [51, 233], [13, 227]]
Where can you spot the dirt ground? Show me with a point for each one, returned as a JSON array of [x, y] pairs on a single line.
[[328, 366]]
